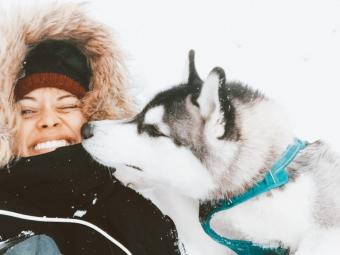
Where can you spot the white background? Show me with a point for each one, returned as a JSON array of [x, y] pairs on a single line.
[[290, 50]]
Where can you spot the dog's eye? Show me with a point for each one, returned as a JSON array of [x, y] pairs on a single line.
[[152, 131], [194, 101]]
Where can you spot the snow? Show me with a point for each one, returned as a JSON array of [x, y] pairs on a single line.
[[287, 49], [26, 233], [79, 213], [2, 244]]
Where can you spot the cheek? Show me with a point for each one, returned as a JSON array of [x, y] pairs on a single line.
[[23, 134], [24, 129], [75, 121]]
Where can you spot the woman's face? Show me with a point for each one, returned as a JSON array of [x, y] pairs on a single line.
[[49, 118]]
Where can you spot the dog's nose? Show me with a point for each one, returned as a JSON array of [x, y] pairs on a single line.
[[86, 131]]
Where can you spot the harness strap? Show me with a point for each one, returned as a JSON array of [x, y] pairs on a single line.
[[276, 177]]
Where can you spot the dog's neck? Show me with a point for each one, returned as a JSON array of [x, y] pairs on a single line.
[[265, 135]]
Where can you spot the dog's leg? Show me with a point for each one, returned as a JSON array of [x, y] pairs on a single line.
[[181, 209], [184, 212], [320, 242]]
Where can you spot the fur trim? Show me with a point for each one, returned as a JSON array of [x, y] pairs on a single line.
[[21, 30]]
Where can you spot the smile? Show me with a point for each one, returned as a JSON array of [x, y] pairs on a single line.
[[53, 144]]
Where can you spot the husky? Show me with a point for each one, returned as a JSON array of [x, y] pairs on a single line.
[[206, 141]]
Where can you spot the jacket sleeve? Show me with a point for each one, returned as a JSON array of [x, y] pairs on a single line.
[[140, 225]]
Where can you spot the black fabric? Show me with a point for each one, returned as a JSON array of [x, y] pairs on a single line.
[[59, 183], [59, 57]]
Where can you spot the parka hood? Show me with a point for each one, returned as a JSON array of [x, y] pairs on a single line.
[[21, 30]]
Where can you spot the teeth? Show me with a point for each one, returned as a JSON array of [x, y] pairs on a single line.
[[51, 144]]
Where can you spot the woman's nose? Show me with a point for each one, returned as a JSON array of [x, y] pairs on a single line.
[[87, 131], [48, 119]]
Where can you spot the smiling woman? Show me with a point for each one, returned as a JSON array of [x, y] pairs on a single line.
[[59, 68], [56, 77], [49, 118]]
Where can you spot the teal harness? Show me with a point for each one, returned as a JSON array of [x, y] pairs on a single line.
[[276, 177]]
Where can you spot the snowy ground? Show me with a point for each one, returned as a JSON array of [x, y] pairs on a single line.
[[289, 49]]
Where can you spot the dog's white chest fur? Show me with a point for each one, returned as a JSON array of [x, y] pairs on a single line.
[[283, 215]]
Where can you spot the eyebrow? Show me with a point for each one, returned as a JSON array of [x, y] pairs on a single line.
[[28, 98]]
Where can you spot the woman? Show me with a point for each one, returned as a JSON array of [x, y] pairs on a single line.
[[59, 69]]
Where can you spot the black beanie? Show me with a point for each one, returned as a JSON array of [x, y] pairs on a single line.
[[57, 64]]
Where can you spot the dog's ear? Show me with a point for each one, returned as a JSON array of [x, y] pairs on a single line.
[[208, 99], [193, 75], [190, 74]]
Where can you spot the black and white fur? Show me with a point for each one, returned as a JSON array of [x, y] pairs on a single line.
[[202, 141]]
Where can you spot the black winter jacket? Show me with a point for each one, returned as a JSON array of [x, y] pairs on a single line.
[[59, 183]]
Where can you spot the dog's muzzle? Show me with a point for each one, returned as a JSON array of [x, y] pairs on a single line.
[[87, 131]]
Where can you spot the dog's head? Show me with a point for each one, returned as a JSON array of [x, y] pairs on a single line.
[[185, 137]]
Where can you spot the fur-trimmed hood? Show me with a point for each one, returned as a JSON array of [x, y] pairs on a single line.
[[22, 29]]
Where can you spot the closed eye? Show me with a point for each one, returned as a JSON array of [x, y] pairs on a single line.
[[194, 101], [69, 106], [152, 131]]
